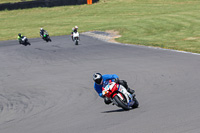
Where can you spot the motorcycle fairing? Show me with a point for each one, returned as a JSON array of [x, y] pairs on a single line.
[[24, 39], [128, 96], [75, 34]]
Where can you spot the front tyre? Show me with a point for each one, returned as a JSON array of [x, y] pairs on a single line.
[[121, 103]]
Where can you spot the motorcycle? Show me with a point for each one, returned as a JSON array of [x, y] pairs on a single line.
[[46, 37], [76, 37], [120, 96], [24, 41]]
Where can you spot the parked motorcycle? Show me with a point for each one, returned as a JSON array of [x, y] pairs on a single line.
[[76, 37], [24, 41], [120, 96], [46, 37]]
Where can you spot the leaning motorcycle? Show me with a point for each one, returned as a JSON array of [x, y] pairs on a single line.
[[24, 41], [46, 37], [120, 96], [76, 37]]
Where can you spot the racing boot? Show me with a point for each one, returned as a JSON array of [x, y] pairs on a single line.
[[131, 91], [124, 83], [72, 38]]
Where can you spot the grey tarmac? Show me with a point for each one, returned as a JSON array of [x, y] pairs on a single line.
[[48, 88]]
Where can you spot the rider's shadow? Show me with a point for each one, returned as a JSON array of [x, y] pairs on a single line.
[[117, 110]]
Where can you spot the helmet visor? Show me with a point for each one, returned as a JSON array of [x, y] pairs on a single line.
[[98, 81]]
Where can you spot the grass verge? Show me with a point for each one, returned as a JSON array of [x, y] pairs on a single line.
[[171, 24]]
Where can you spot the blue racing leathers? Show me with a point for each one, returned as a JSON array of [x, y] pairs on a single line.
[[106, 79]]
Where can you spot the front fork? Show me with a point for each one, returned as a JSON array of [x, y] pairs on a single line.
[[119, 95]]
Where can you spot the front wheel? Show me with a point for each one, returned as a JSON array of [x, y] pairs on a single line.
[[121, 103]]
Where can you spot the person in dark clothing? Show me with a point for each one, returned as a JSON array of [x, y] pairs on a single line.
[[42, 31]]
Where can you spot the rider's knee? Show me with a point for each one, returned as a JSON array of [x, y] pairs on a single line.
[[107, 100]]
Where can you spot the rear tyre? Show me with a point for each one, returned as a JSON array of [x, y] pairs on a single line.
[[28, 43], [76, 43], [25, 43], [136, 104], [120, 103]]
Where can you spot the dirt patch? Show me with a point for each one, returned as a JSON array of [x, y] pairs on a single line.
[[191, 38], [109, 35], [114, 35]]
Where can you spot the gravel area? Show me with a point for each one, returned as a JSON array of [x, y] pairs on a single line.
[[108, 36]]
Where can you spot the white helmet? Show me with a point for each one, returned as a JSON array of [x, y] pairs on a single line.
[[76, 27], [41, 28]]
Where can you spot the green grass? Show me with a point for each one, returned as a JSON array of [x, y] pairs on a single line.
[[172, 24], [12, 1]]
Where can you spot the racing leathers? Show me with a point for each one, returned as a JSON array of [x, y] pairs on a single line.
[[20, 39], [73, 30], [42, 33]]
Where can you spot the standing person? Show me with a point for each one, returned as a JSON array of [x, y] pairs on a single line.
[[100, 80], [74, 29]]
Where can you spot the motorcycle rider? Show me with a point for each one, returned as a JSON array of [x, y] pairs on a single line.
[[20, 38], [42, 32], [100, 80], [74, 29]]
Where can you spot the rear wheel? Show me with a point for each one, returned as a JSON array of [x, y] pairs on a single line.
[[76, 42], [136, 104], [25, 43], [28, 43], [121, 103]]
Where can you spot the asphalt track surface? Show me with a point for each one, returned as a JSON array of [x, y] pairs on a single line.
[[48, 88]]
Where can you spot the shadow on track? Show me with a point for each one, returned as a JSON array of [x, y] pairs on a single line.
[[112, 111], [118, 110]]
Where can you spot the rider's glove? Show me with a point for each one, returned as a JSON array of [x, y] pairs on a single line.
[[100, 94]]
